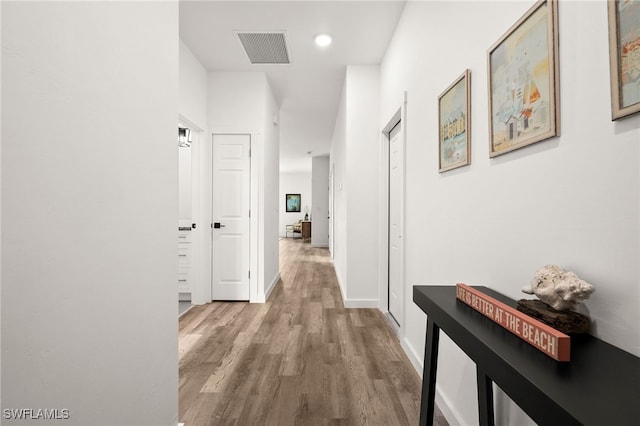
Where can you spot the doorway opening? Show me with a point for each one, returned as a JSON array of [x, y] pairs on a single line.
[[189, 139]]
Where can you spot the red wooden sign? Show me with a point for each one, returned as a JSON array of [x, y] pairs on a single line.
[[549, 340]]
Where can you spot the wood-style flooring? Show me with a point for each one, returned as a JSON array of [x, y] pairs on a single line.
[[299, 359]]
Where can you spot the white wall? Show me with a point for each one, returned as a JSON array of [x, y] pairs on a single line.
[[294, 183], [271, 189], [338, 159], [89, 217], [363, 166], [355, 154], [193, 113], [236, 102], [1, 211], [572, 200], [320, 197], [242, 102], [193, 88]]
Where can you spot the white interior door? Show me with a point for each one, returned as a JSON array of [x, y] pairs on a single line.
[[230, 210], [396, 188]]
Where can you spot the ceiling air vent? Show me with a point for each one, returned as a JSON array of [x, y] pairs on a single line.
[[265, 47]]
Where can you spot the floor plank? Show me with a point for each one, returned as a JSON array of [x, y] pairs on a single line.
[[299, 359]]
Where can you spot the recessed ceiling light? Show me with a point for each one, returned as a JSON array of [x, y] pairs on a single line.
[[323, 40]]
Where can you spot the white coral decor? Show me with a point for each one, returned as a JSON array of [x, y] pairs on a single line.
[[558, 288]]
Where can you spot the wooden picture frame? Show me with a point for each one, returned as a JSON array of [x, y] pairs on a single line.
[[454, 119], [624, 57], [523, 78], [292, 203]]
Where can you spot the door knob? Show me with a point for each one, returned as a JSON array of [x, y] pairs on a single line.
[[217, 225]]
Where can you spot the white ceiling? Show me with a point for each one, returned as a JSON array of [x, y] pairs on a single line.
[[308, 89]]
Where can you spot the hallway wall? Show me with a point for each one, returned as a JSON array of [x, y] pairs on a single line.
[[89, 167], [193, 88], [363, 166], [573, 200], [355, 152], [270, 189], [242, 102], [338, 160]]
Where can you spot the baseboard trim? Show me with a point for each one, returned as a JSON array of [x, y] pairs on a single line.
[[443, 403], [186, 310], [361, 303], [262, 298], [320, 245], [340, 286], [445, 406], [267, 293], [393, 324], [354, 303], [412, 354]]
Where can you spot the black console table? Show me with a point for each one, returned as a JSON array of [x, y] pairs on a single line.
[[599, 386]]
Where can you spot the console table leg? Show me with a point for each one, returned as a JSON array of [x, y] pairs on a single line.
[[427, 402], [485, 398]]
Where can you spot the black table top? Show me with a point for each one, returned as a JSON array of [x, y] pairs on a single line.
[[599, 386]]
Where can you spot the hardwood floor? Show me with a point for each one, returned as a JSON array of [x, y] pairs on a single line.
[[299, 359]]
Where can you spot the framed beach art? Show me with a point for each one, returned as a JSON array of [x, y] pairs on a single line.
[[523, 81], [454, 118], [624, 57]]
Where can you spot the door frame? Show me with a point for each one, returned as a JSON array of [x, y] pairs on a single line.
[[332, 201], [400, 116], [252, 271], [253, 220]]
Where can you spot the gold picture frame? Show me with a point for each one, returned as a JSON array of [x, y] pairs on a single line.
[[454, 119], [624, 57], [523, 79]]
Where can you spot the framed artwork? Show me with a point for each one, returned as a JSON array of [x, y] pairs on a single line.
[[624, 57], [524, 104], [292, 203], [454, 118]]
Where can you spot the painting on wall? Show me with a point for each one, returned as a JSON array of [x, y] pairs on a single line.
[[523, 81], [624, 57], [292, 203], [454, 117]]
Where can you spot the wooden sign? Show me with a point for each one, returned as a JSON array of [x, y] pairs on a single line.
[[552, 342]]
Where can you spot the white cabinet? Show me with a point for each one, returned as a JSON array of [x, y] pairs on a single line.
[[185, 257]]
